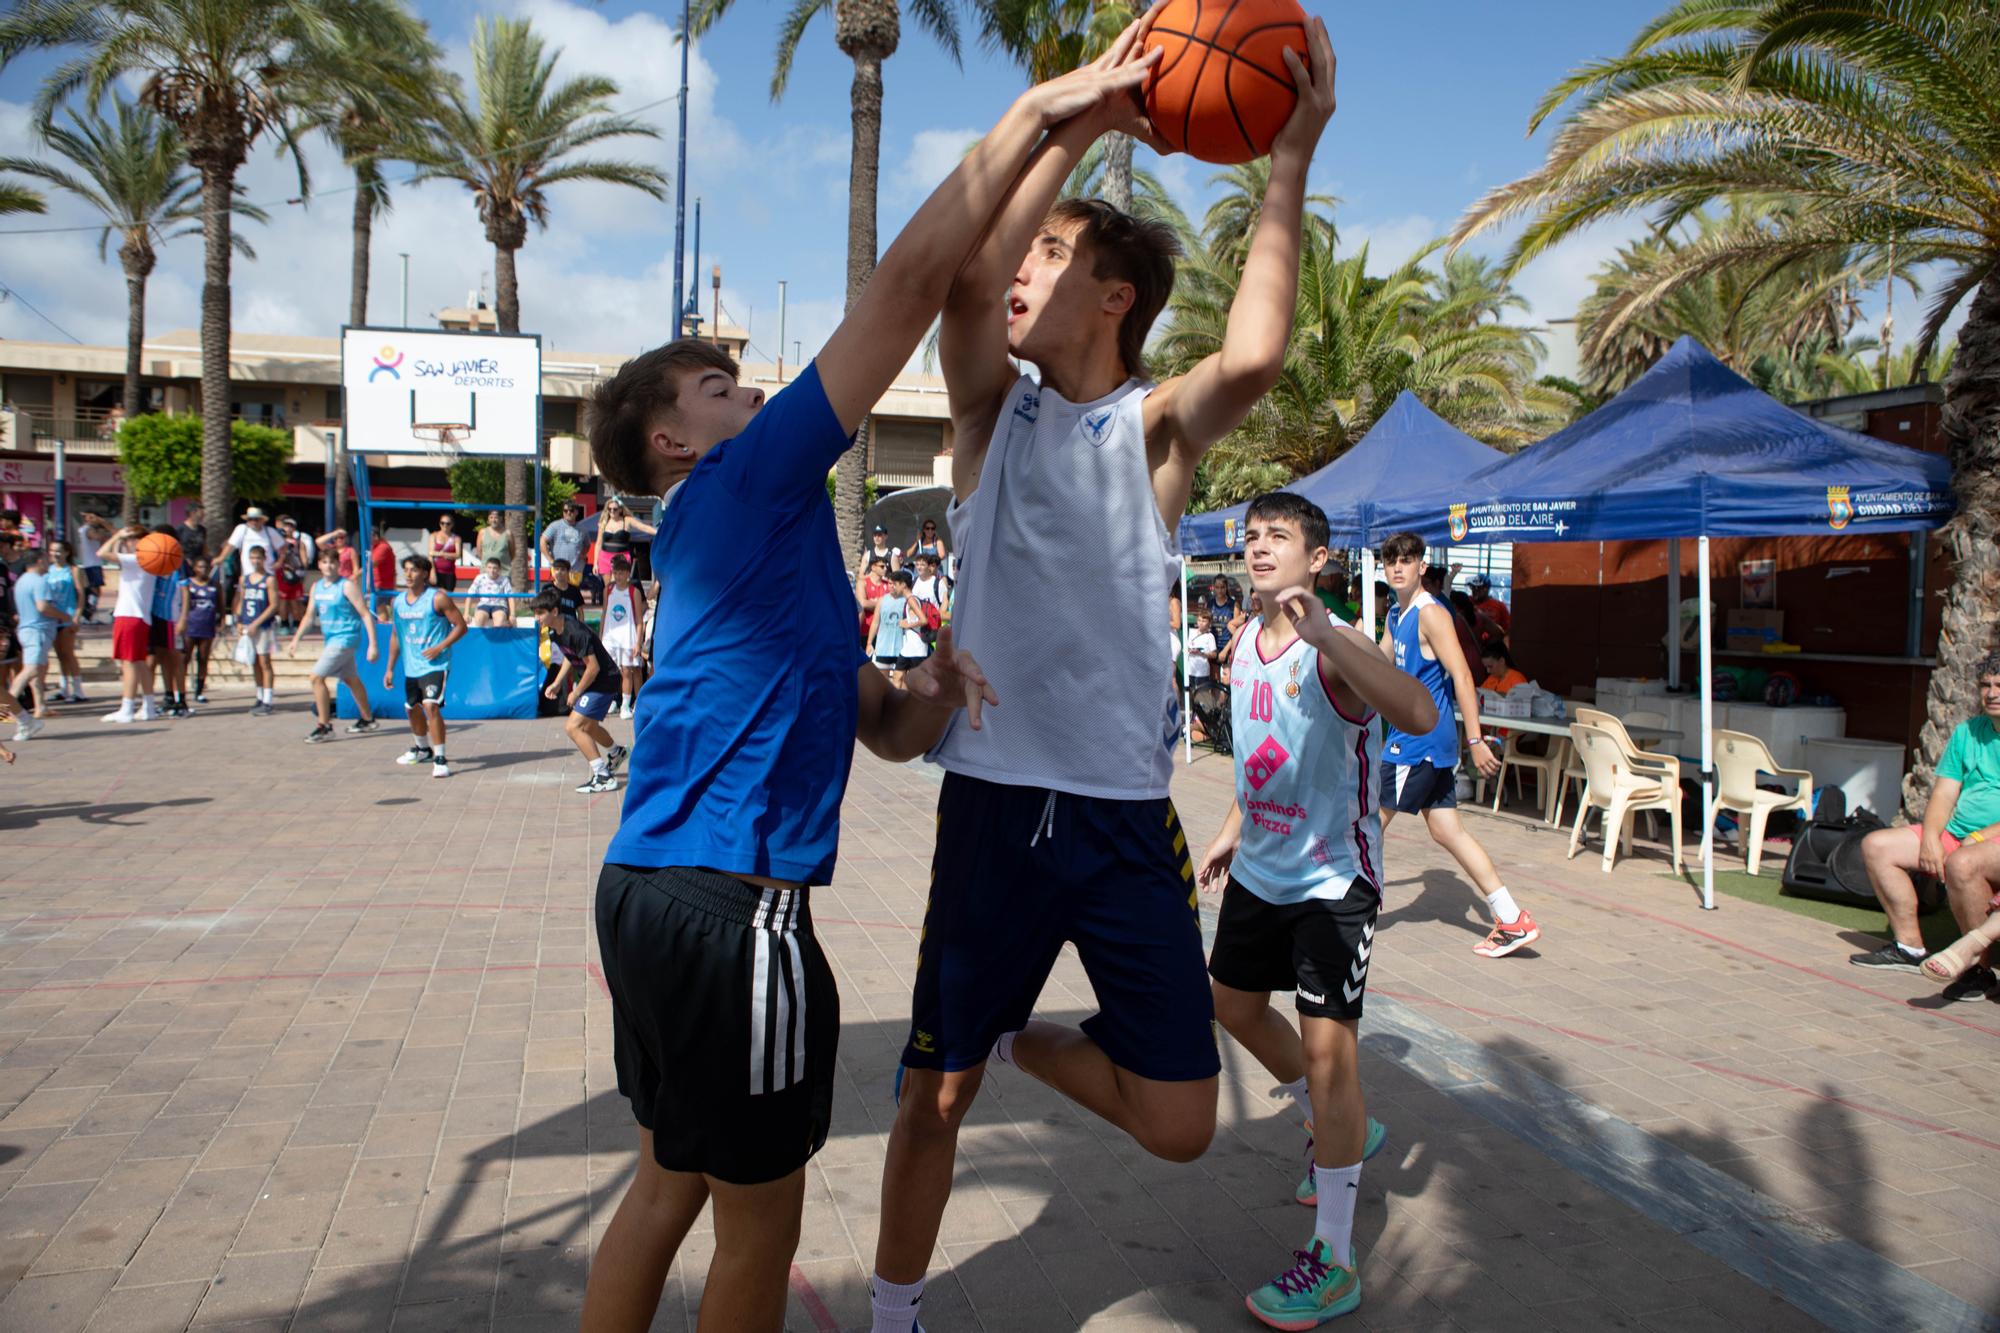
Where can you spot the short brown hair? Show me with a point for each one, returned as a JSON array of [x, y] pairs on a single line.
[[624, 407], [1402, 546], [1131, 249]]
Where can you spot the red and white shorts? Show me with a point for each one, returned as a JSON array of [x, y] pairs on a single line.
[[130, 638]]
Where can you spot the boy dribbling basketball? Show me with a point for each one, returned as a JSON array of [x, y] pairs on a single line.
[[1301, 852], [1054, 823]]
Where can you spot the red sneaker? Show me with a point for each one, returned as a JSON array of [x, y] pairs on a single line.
[[1505, 938]]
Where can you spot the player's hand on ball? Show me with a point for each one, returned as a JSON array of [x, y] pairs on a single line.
[[1117, 75], [948, 676], [1213, 874], [1315, 84]]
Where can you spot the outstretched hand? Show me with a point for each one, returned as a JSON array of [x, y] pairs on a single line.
[[1307, 614], [1106, 89], [1314, 80], [948, 677]]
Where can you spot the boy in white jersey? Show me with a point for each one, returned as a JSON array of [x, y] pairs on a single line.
[[1420, 768], [1054, 824], [1300, 851]]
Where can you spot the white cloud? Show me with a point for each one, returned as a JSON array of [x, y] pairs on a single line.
[[933, 155], [1390, 241]]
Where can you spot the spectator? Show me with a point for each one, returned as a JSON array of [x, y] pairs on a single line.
[[192, 535], [928, 543], [494, 542], [929, 584], [616, 531], [256, 530], [91, 532], [163, 643], [1225, 609], [878, 549], [37, 617], [66, 588], [1501, 673], [1484, 631], [490, 607], [1330, 586], [888, 640], [337, 541], [381, 570], [289, 577], [10, 642], [563, 539], [1958, 842], [1206, 700], [1490, 606], [874, 586], [563, 579], [444, 548]]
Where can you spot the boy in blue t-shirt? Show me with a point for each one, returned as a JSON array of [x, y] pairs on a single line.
[[427, 623], [743, 743]]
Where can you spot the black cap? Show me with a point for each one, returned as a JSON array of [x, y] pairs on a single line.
[[878, 530]]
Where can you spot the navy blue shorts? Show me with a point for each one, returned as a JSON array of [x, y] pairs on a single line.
[[593, 704], [1412, 789], [1014, 879]]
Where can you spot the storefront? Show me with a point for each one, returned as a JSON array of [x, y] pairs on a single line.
[[29, 485]]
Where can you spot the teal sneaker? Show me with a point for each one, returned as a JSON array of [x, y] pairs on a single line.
[[1308, 1192], [1310, 1292]]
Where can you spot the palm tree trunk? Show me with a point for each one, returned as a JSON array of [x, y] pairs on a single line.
[[1118, 171], [132, 400], [218, 480], [1972, 538], [507, 315], [357, 315], [850, 480]]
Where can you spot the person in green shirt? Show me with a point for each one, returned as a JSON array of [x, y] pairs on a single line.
[[1959, 842]]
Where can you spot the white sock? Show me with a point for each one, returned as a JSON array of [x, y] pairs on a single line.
[[437, 754], [600, 766], [1505, 910], [1003, 1049], [1301, 1098], [1914, 953], [895, 1306], [1333, 1222]]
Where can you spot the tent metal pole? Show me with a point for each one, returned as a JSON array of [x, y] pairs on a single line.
[[1368, 591], [1673, 613], [1707, 737], [1187, 699], [1913, 631]]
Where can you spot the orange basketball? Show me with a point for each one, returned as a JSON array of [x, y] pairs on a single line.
[[159, 554], [1222, 91]]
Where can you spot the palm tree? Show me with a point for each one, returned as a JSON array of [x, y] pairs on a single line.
[[1357, 342], [867, 33], [375, 107], [1049, 39], [1874, 118], [224, 73], [519, 135], [20, 199], [132, 171]]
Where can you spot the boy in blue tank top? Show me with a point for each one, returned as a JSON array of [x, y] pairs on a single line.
[[1055, 824], [427, 624], [1420, 769], [345, 625], [256, 609], [200, 617], [1300, 855]]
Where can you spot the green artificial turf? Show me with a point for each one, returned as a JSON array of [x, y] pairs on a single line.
[[1938, 927]]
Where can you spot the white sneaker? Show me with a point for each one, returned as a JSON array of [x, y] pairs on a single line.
[[122, 715], [146, 713], [625, 710], [416, 754], [29, 727], [440, 769]]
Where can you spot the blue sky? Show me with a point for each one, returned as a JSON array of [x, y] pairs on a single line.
[[1434, 98]]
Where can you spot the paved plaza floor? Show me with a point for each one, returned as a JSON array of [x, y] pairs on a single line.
[[291, 1037]]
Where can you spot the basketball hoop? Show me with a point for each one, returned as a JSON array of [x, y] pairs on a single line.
[[445, 437]]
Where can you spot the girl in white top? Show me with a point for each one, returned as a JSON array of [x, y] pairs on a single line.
[[624, 612]]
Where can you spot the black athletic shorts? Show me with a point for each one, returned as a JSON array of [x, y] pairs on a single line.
[[1020, 871], [1412, 789], [724, 1019], [1319, 947], [421, 690]]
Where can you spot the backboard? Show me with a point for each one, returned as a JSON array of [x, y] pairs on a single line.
[[399, 385]]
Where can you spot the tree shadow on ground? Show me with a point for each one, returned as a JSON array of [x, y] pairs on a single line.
[[117, 814]]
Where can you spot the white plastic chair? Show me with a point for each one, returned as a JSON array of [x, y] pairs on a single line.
[[1620, 791], [1543, 765], [1665, 766], [1739, 758]]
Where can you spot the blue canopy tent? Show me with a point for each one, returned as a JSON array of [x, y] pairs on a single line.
[[1691, 448]]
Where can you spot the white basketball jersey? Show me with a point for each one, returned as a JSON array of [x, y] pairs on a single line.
[[1305, 777], [1064, 573]]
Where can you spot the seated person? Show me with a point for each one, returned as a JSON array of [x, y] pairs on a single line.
[[490, 607], [1959, 842], [1501, 673]]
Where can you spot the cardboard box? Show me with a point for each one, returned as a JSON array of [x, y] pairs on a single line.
[[1748, 631]]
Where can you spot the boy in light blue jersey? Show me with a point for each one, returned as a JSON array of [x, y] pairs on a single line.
[[344, 622], [427, 624], [1300, 853], [1420, 766]]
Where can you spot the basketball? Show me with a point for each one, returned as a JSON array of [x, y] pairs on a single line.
[[159, 554], [1222, 91]]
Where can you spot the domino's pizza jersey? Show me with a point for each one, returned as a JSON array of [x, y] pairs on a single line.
[[1305, 777]]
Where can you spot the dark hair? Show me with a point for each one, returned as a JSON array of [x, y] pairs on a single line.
[[1989, 665], [559, 564], [166, 530], [422, 562], [1131, 249], [327, 552], [624, 407], [1492, 647], [875, 560], [10, 516], [1402, 546], [1308, 517], [619, 562], [901, 576], [1462, 602], [927, 555], [548, 599]]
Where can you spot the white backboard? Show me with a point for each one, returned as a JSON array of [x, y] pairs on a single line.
[[394, 379]]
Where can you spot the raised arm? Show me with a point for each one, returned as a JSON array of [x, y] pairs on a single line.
[[860, 361], [1190, 412]]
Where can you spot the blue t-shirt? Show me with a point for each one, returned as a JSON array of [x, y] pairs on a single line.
[[167, 597], [338, 620], [419, 625], [62, 589], [746, 729], [29, 589]]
